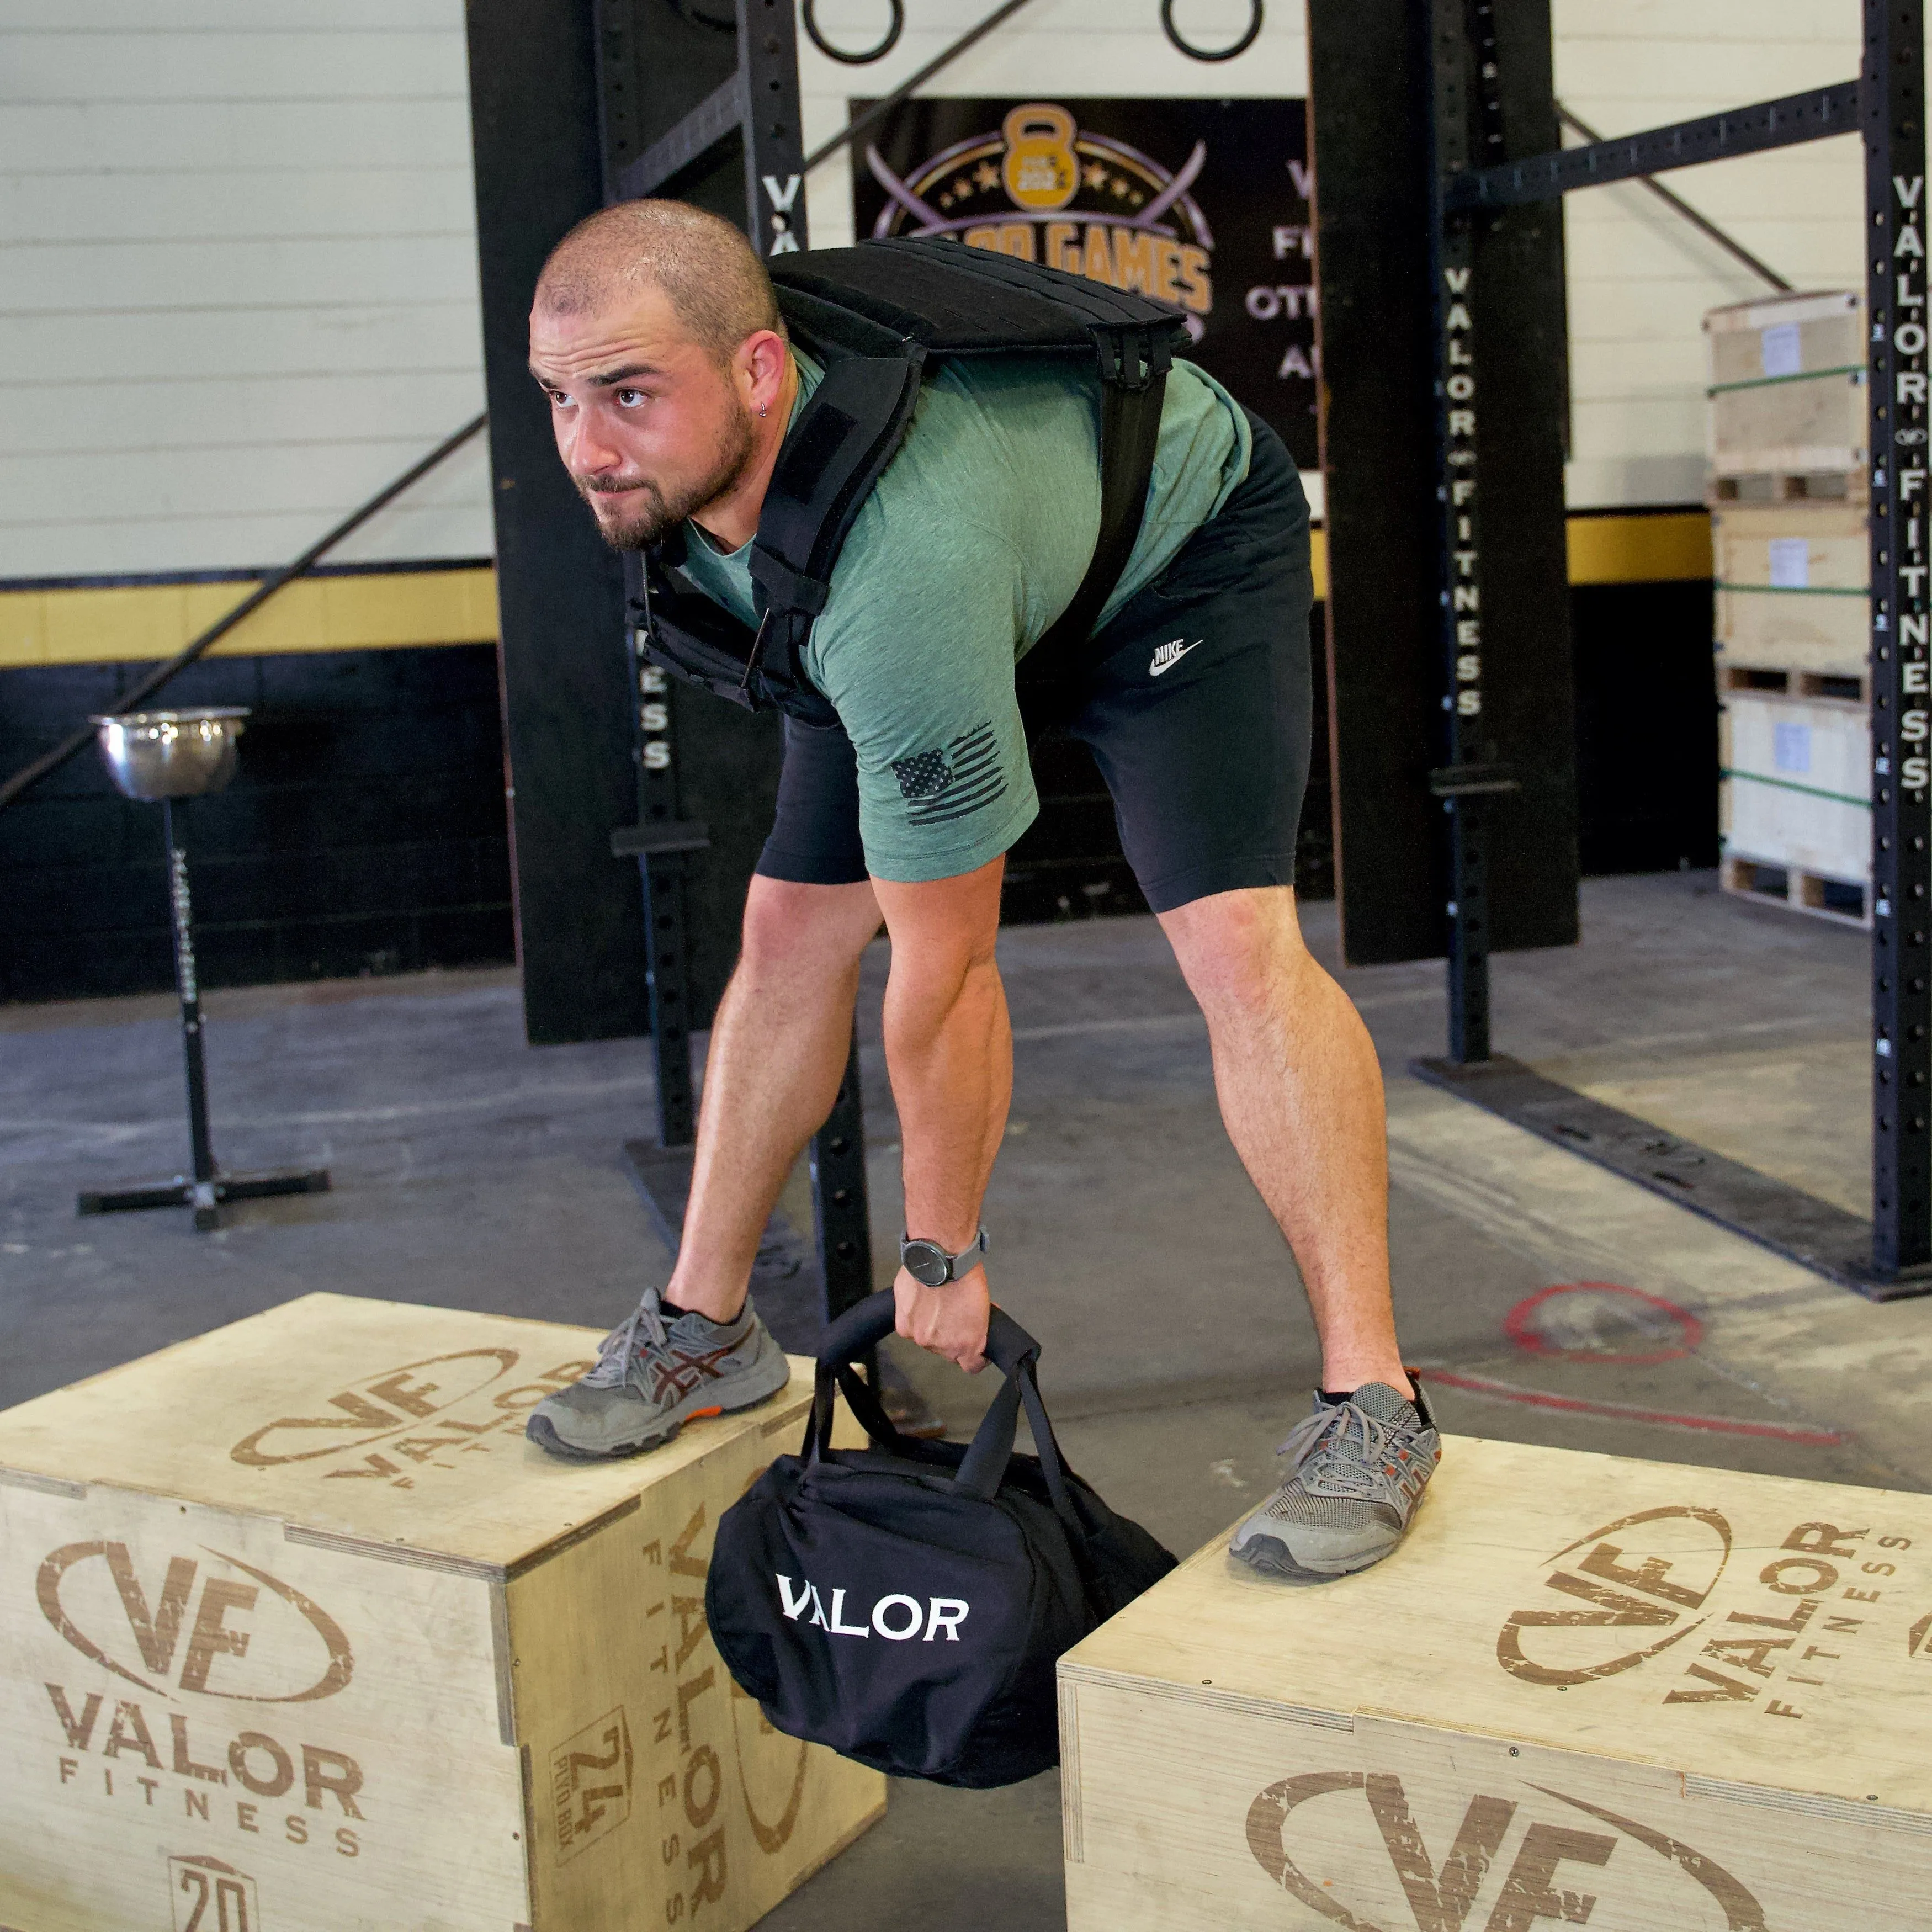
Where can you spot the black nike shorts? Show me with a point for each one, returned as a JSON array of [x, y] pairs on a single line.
[[1197, 708]]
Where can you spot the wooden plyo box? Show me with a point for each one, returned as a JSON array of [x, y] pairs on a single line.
[[1586, 1690], [298, 1633]]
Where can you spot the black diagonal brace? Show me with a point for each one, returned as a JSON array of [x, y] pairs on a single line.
[[1812, 116], [721, 112]]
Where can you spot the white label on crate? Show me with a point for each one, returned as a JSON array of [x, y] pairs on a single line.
[[1790, 563], [1778, 346], [1791, 747]]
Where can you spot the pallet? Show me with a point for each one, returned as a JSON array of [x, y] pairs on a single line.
[[1656, 1698], [1794, 681], [1764, 883], [1773, 483], [298, 1631]]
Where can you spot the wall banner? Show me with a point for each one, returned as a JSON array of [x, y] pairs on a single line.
[[1201, 204]]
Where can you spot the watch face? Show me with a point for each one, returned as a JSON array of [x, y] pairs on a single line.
[[925, 1261]]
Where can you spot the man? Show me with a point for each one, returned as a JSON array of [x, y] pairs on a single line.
[[656, 337]]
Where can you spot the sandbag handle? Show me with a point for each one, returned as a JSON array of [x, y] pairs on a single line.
[[866, 1324], [1008, 1348], [860, 1330], [864, 1404]]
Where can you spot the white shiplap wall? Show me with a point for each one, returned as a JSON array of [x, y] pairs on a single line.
[[1640, 276], [1104, 49], [238, 281], [237, 268]]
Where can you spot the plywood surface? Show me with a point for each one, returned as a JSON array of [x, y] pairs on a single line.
[[654, 1778], [381, 1422], [1182, 1821], [195, 1709], [1745, 1629]]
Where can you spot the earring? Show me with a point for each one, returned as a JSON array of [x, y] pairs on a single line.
[[763, 409]]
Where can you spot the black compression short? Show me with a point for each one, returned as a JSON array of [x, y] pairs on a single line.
[[1197, 708]]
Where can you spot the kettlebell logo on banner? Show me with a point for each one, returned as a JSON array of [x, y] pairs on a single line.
[[1041, 188], [897, 1619], [1040, 168]]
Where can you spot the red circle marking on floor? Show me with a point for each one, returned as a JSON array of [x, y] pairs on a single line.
[[1522, 1326]]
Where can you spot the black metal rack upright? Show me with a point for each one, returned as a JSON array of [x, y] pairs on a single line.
[[1885, 107], [757, 107]]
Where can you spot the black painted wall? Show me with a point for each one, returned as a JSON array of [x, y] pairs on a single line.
[[1646, 762], [1646, 727], [364, 833]]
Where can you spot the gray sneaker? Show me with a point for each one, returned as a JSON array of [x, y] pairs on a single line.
[[1356, 1471], [654, 1376]]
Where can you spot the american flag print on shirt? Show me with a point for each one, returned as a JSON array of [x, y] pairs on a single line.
[[950, 783]]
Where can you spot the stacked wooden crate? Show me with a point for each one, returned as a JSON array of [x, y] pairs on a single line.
[[1788, 435]]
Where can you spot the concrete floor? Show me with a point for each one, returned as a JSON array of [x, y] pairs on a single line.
[[471, 1171]]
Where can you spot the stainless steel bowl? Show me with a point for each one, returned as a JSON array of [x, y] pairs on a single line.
[[155, 755]]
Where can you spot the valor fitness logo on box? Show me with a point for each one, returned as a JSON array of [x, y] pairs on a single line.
[[390, 1424], [312, 1658], [192, 1632], [1649, 1583], [1441, 1898]]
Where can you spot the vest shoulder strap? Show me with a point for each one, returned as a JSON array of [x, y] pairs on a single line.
[[876, 315]]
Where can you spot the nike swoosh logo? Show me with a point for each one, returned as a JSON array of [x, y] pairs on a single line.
[[1159, 670]]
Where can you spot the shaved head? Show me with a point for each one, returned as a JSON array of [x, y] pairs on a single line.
[[715, 284]]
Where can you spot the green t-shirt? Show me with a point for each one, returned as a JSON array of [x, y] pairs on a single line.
[[971, 544]]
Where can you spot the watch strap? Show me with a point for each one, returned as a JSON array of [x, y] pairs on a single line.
[[971, 1254]]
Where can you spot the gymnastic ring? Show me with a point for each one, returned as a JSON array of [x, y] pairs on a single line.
[[871, 54], [696, 17], [1193, 53]]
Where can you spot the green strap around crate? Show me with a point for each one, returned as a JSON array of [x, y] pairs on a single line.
[[1803, 375], [1785, 784]]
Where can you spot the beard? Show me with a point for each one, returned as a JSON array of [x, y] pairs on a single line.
[[649, 510]]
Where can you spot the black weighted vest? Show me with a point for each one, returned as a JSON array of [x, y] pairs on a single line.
[[878, 317]]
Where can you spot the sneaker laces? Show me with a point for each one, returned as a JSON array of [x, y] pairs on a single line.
[[1320, 1446], [615, 1350]]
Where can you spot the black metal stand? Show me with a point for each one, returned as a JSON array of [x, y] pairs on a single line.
[[207, 1188], [1891, 1256]]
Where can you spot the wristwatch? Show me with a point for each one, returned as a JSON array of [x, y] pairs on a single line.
[[929, 1262]]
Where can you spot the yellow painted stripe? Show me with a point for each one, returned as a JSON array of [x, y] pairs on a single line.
[[381, 611], [1611, 550], [1640, 550], [409, 609]]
